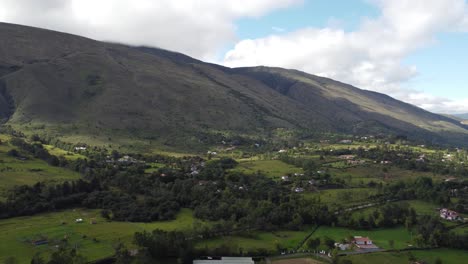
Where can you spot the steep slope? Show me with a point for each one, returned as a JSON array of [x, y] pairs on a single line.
[[462, 116], [64, 85]]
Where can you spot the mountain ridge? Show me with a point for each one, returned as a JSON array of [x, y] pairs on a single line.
[[66, 85]]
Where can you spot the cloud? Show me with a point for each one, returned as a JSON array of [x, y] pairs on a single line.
[[195, 27], [278, 29], [370, 57]]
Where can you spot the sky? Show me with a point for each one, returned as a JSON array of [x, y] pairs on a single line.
[[413, 50]]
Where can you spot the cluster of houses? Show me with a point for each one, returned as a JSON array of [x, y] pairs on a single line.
[[350, 160], [287, 178], [125, 160], [450, 215]]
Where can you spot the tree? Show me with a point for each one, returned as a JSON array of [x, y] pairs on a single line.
[[13, 153], [10, 260], [122, 255], [328, 242], [37, 259], [65, 255], [438, 261], [313, 243], [334, 256], [391, 243]]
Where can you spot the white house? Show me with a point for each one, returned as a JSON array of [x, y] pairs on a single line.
[[449, 215]]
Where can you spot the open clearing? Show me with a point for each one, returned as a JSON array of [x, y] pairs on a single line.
[[258, 240], [447, 256], [17, 232], [271, 168], [380, 237], [341, 196], [14, 171], [297, 261]]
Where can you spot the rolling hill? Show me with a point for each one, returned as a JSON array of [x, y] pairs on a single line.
[[76, 88]]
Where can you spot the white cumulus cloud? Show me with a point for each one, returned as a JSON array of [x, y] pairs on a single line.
[[370, 57], [196, 27]]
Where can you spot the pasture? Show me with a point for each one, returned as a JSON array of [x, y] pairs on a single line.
[[301, 260], [94, 241], [60, 152], [447, 256], [272, 168], [342, 197], [14, 171], [381, 237], [363, 174], [270, 241]]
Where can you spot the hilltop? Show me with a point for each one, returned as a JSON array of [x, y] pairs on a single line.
[[80, 89]]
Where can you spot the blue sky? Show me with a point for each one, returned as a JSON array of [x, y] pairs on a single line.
[[413, 50], [441, 63], [312, 13]]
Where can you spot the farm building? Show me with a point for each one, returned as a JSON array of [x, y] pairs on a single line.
[[364, 242], [298, 189], [449, 215], [342, 246], [347, 157], [225, 260]]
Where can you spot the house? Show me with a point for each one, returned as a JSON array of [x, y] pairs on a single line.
[[363, 243], [225, 260], [285, 178], [79, 220], [449, 215], [347, 157], [355, 162], [298, 189], [282, 151], [342, 246], [126, 160], [80, 148], [346, 141]]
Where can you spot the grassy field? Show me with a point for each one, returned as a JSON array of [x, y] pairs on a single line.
[[154, 167], [424, 208], [421, 207], [380, 237], [60, 152], [301, 260], [272, 168], [341, 196], [359, 175], [448, 256], [16, 232], [14, 171], [258, 240]]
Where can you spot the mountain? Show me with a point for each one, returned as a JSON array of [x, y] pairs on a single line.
[[461, 116], [76, 89]]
